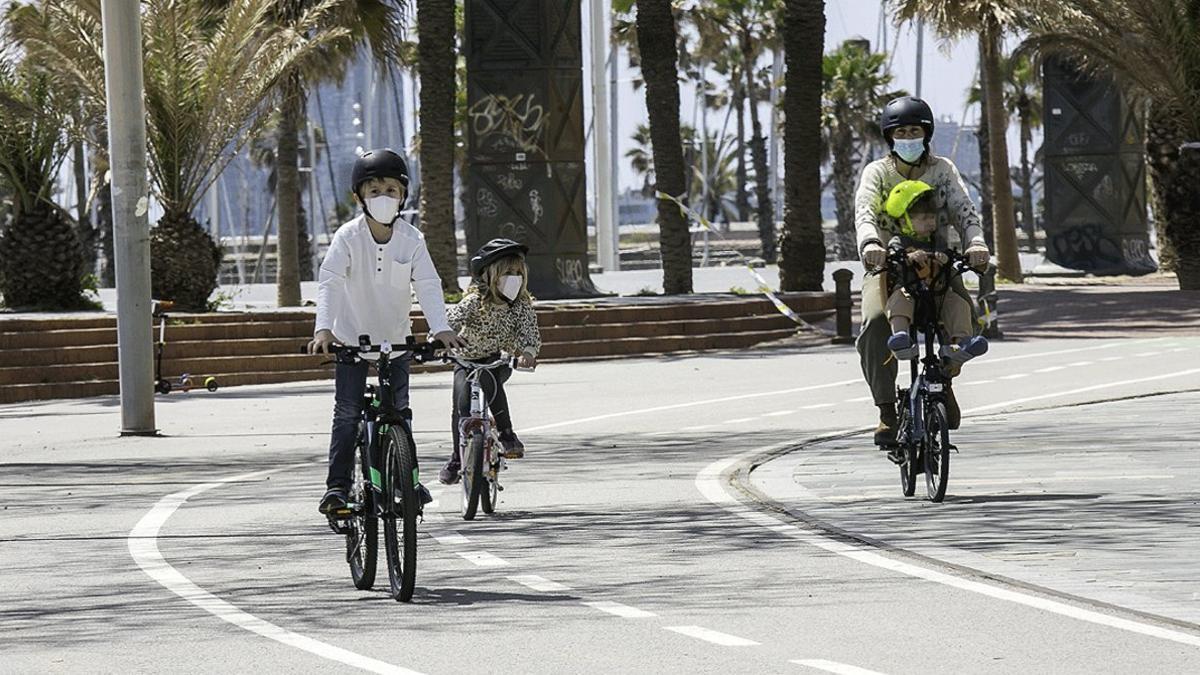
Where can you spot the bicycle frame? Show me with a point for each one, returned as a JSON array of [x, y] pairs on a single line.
[[479, 420]]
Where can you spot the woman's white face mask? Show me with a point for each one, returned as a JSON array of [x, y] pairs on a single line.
[[510, 286], [909, 149], [383, 209]]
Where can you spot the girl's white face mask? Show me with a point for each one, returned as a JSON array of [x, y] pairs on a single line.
[[383, 209], [510, 286]]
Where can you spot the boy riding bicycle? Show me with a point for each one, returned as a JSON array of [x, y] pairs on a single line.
[[367, 279]]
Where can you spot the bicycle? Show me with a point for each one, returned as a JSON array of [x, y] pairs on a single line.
[[923, 437], [479, 441], [386, 489]]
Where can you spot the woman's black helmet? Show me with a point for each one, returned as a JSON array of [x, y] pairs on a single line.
[[493, 251], [381, 163], [905, 111]]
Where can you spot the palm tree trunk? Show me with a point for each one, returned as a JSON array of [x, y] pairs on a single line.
[[1005, 235], [436, 58], [1163, 138], [1183, 227], [985, 173], [83, 222], [802, 244], [739, 104], [1027, 176], [657, 44], [287, 192], [843, 190], [758, 153]]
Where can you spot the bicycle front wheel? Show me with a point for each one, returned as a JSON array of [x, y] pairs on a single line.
[[473, 481], [489, 496], [400, 513], [362, 541], [937, 452]]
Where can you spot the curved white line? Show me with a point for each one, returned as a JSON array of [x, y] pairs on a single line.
[[711, 483], [143, 546]]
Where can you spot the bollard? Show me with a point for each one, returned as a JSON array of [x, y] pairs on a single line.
[[989, 318], [844, 304]]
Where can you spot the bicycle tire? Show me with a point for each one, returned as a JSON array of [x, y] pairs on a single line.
[[489, 496], [908, 468], [937, 453], [400, 513], [473, 478], [362, 542]]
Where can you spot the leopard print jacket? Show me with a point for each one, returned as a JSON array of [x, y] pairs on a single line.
[[491, 328]]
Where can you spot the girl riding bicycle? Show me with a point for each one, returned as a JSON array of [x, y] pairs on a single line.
[[495, 315]]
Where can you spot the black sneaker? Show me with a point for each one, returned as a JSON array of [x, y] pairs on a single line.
[[512, 446], [334, 500], [423, 494], [449, 473], [953, 412]]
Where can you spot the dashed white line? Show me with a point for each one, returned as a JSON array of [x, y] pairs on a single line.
[[834, 667], [709, 635], [1051, 369], [973, 383], [1111, 358], [1014, 376], [698, 427], [818, 405], [1080, 364], [779, 413], [449, 538], [482, 558], [739, 420], [1141, 354], [539, 583], [618, 609], [860, 399]]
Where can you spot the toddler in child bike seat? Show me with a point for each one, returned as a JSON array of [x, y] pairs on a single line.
[[911, 204], [367, 279], [495, 315]]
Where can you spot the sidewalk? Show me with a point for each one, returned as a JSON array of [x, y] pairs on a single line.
[[1097, 501]]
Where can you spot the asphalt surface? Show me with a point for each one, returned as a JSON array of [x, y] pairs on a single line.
[[630, 539]]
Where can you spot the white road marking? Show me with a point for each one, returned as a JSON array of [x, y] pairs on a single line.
[[1014, 376], [708, 635], [815, 406], [658, 433], [1080, 364], [891, 487], [973, 383], [450, 538], [143, 546], [482, 558], [1141, 354], [860, 399], [739, 420], [1179, 349], [1111, 358], [1083, 390], [698, 427], [618, 609], [539, 583], [779, 413], [834, 667], [1051, 369]]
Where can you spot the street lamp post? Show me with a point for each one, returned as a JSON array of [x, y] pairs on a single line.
[[130, 202]]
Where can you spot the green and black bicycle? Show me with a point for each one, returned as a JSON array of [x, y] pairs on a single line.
[[385, 485]]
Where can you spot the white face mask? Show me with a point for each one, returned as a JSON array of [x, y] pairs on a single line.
[[510, 286], [909, 149], [383, 209]]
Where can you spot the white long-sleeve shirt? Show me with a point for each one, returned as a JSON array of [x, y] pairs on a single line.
[[366, 288]]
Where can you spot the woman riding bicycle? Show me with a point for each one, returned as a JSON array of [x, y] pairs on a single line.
[[495, 315], [907, 124]]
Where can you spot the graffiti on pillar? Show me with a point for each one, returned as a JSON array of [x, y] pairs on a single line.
[[570, 271], [1084, 247], [487, 204], [509, 181], [535, 205], [514, 231], [508, 123]]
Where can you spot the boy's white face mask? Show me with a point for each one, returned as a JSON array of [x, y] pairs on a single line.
[[383, 209], [510, 286]]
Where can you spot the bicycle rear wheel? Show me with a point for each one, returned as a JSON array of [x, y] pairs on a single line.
[[473, 479], [400, 513], [908, 467], [937, 452], [489, 496], [362, 541]]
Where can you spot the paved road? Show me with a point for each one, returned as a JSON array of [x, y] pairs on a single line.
[[620, 546]]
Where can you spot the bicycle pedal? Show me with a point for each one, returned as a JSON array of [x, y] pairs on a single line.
[[896, 456]]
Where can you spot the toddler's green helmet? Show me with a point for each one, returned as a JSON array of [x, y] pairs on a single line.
[[902, 198]]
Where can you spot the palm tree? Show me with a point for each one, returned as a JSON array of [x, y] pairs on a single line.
[[854, 91], [989, 20], [437, 60], [1155, 45], [1023, 99], [210, 73], [41, 258], [657, 47], [802, 243]]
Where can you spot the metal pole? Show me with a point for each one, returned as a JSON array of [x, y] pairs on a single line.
[[615, 149], [606, 253], [920, 54], [313, 211], [130, 202]]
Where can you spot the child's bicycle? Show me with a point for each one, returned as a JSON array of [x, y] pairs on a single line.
[[479, 441], [923, 438], [386, 487]]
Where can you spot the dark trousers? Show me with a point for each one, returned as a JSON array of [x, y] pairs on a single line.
[[350, 387], [494, 397]]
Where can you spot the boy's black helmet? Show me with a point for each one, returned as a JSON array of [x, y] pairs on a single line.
[[493, 251], [381, 163], [905, 111]]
